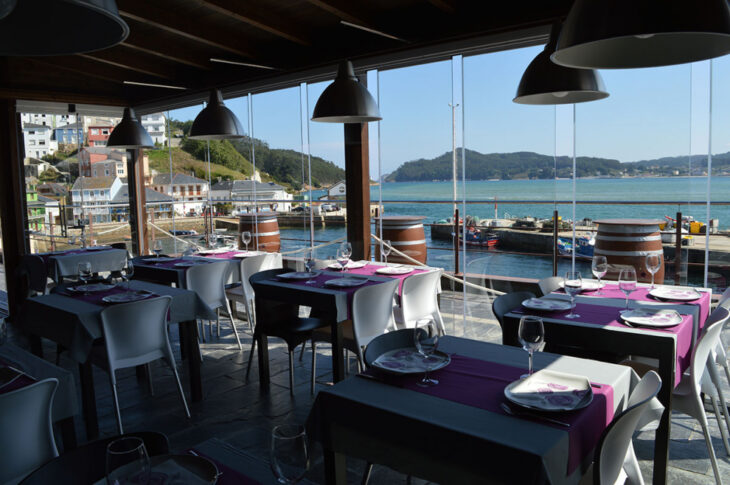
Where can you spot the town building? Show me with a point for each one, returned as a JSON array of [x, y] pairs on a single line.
[[52, 190], [97, 135], [240, 193], [92, 196], [38, 140], [155, 125], [69, 134], [336, 191], [159, 206], [47, 119], [190, 193], [107, 162]]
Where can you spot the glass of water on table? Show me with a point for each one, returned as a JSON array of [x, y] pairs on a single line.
[[572, 284]]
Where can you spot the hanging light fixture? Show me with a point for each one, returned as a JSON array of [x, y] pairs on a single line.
[[40, 27], [544, 82], [615, 34], [346, 100], [129, 133], [6, 6], [216, 122]]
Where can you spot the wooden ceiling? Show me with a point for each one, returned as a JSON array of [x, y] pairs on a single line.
[[171, 42]]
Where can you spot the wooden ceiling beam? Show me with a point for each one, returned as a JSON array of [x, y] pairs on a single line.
[[132, 61], [155, 46], [256, 17], [444, 5], [92, 68], [343, 10], [62, 96]]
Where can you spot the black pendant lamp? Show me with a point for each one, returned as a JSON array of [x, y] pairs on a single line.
[[41, 27], [544, 82], [216, 122], [616, 34], [346, 100], [129, 133]]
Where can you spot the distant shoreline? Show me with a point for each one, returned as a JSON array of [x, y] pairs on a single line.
[[564, 178]]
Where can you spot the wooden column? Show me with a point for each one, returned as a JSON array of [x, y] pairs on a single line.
[[13, 215], [137, 202], [357, 178]]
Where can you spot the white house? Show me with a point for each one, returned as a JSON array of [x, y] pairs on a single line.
[[155, 126], [96, 195], [190, 193], [51, 120], [38, 140], [240, 193], [336, 191]]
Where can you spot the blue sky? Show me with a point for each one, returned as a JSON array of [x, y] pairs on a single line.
[[650, 113]]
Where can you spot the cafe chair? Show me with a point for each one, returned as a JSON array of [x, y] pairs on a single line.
[[209, 282], [419, 299], [549, 284], [615, 460], [26, 430], [136, 334], [687, 396], [372, 315], [396, 339], [244, 293], [504, 304]]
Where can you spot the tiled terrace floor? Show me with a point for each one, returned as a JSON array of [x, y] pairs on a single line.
[[238, 413]]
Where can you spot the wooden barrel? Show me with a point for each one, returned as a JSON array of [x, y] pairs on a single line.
[[406, 235], [267, 234], [627, 242]]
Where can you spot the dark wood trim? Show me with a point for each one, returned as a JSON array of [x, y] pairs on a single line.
[[132, 61], [343, 10], [357, 178], [93, 68], [137, 202], [62, 97], [442, 5]]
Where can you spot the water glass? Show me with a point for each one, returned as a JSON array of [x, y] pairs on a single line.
[[572, 284], [72, 240], [653, 264], [531, 334], [426, 339], [157, 247], [386, 250], [127, 462], [627, 283], [84, 271], [246, 238], [342, 259], [599, 268], [309, 264], [289, 455], [128, 271]]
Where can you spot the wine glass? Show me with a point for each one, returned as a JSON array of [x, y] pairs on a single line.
[[653, 263], [84, 271], [72, 240], [157, 247], [128, 271], [426, 339], [627, 282], [599, 268], [289, 455], [309, 263], [572, 284], [127, 462], [213, 240], [531, 334], [386, 251], [94, 243], [246, 238], [343, 257]]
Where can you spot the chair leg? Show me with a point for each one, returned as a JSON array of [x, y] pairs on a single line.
[[235, 332], [218, 321], [250, 357], [301, 354], [148, 371], [314, 364], [715, 378], [631, 467], [719, 424], [291, 371], [201, 331], [366, 474], [116, 407], [710, 449], [171, 363]]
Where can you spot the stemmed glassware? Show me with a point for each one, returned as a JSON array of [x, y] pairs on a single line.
[[386, 250], [84, 270], [426, 339], [72, 240], [246, 238], [599, 268], [531, 334], [213, 240], [289, 455], [127, 462], [653, 264], [627, 283], [309, 263], [572, 284], [157, 247], [343, 255], [128, 271]]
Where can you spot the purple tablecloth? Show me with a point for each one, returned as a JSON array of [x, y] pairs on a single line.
[[22, 381], [97, 297], [481, 384], [227, 475]]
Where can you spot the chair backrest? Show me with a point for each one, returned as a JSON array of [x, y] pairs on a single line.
[[397, 339], [725, 299], [419, 295], [616, 439], [549, 284], [272, 261], [503, 304], [26, 430], [209, 282], [708, 341], [270, 312], [249, 267], [372, 310], [135, 331], [37, 271]]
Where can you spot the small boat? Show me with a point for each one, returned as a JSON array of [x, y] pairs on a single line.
[[481, 237], [180, 232], [585, 246]]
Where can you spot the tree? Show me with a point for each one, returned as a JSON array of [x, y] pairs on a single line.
[[50, 175]]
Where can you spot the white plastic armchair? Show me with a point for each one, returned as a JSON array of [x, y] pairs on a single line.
[[26, 430], [549, 284], [419, 299], [244, 293], [136, 334]]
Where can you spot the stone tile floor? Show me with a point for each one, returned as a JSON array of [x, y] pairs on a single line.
[[238, 412]]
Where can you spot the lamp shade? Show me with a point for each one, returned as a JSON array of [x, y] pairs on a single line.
[[43, 27], [544, 82], [129, 133], [215, 121], [615, 34], [346, 100]]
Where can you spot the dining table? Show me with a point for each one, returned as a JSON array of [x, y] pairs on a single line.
[[60, 264], [457, 431], [600, 328], [72, 319]]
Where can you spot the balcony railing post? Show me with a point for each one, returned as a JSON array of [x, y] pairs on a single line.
[[678, 250], [456, 241], [555, 242]]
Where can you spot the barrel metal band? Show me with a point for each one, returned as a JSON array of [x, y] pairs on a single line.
[[604, 252], [414, 226], [407, 243], [601, 237], [265, 233]]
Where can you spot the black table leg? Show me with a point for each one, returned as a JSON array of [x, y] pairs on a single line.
[[36, 345], [88, 400], [189, 338], [68, 433], [335, 468], [338, 352], [262, 341], [661, 441]]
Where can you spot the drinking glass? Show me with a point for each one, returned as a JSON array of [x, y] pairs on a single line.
[[627, 282], [127, 462], [309, 263], [84, 270], [157, 247], [386, 250], [128, 271], [342, 259], [94, 243], [289, 455], [72, 240], [426, 339], [599, 268], [572, 284], [213, 240], [653, 263], [531, 334], [246, 238]]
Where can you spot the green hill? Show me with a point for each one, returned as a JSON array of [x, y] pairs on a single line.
[[184, 162]]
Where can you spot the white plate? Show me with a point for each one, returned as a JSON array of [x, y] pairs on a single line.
[[346, 282], [299, 275], [648, 317], [127, 296], [547, 390], [97, 248], [588, 285], [409, 361], [215, 251], [350, 265], [394, 270], [245, 254], [676, 294], [161, 259], [187, 264], [92, 288], [546, 304]]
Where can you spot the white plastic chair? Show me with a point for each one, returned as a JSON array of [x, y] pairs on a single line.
[[372, 315], [686, 397], [136, 334], [209, 282], [615, 460], [244, 293], [549, 284], [419, 299], [504, 304], [26, 430]]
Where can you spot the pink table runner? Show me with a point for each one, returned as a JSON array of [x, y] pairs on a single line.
[[229, 254], [370, 270], [481, 384]]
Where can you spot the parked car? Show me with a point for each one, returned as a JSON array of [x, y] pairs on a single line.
[[329, 208], [300, 208]]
